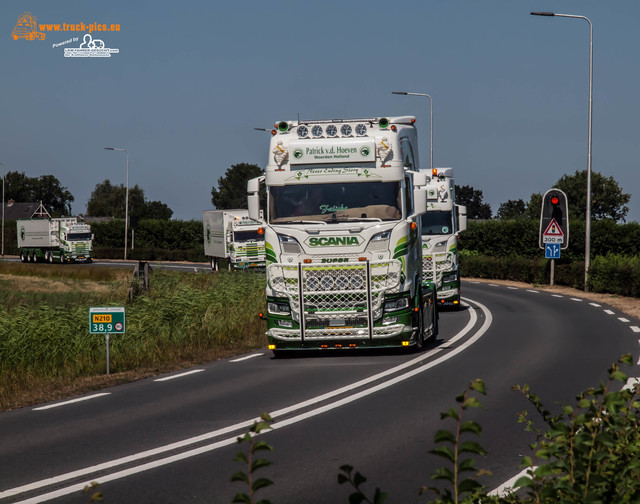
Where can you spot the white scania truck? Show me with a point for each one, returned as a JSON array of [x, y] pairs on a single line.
[[440, 227], [232, 235], [342, 237], [60, 240]]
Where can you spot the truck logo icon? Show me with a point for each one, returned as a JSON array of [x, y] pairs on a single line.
[[297, 153], [27, 28]]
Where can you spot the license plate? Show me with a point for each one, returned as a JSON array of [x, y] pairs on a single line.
[[337, 322]]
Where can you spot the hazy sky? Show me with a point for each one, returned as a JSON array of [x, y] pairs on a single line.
[[191, 80]]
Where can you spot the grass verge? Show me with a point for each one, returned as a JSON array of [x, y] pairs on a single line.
[[46, 351]]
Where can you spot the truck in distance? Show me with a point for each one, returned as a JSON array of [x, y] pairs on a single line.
[[62, 240], [440, 227], [232, 235], [342, 238]]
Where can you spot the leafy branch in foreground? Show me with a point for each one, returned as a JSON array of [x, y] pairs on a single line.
[[588, 453], [253, 464], [453, 448], [92, 490], [355, 481]]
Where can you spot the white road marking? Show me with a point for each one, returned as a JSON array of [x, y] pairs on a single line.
[[71, 401], [507, 487], [625, 320], [595, 304], [512, 288], [252, 356], [556, 295], [631, 383], [246, 424], [635, 328], [609, 312], [173, 377], [534, 291], [577, 299]]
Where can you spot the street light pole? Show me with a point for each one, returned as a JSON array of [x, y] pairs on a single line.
[[3, 175], [126, 204], [587, 238], [430, 115]]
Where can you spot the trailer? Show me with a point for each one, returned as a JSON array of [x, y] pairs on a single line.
[[61, 240], [232, 235]]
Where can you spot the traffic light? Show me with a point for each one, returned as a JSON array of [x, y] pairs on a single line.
[[554, 219]]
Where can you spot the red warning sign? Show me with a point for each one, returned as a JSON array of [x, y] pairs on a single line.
[[553, 233]]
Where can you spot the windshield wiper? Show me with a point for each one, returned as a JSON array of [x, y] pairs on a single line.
[[300, 222], [366, 219]]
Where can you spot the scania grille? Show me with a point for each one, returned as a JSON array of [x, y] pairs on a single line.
[[434, 265], [335, 300]]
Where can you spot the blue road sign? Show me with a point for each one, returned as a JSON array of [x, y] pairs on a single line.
[[552, 250]]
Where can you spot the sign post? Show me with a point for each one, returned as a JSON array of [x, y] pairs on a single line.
[[554, 226], [107, 320]]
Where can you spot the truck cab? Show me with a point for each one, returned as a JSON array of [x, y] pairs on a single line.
[[342, 237], [440, 228]]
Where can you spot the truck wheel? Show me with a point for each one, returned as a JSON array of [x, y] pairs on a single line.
[[214, 264], [229, 265], [23, 256], [50, 257]]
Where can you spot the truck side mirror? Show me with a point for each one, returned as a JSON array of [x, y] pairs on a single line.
[[420, 200], [253, 201], [419, 179], [462, 217], [253, 185]]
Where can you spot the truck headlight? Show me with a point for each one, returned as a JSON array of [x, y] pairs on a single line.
[[385, 235], [451, 277], [396, 304], [278, 308]]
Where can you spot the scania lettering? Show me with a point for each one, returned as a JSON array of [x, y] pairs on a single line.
[[342, 237], [441, 224], [232, 235]]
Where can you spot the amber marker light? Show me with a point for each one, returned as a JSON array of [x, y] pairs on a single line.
[[413, 226], [405, 343], [307, 261], [271, 347], [260, 230]]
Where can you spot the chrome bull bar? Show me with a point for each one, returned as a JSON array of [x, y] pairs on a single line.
[[335, 301]]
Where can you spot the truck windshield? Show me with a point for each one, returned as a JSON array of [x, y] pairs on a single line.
[[335, 202], [79, 236], [437, 222], [247, 236]]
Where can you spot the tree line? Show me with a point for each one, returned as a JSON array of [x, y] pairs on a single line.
[[608, 201], [107, 200]]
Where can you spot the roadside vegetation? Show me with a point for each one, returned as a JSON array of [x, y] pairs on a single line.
[[586, 452], [46, 351]]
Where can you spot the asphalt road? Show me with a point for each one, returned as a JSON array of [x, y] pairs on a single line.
[[174, 440]]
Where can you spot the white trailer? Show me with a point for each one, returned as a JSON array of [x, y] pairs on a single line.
[[343, 248], [54, 240], [232, 235]]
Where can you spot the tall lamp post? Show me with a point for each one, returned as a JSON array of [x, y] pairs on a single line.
[[430, 116], [587, 238], [126, 204], [3, 175]]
